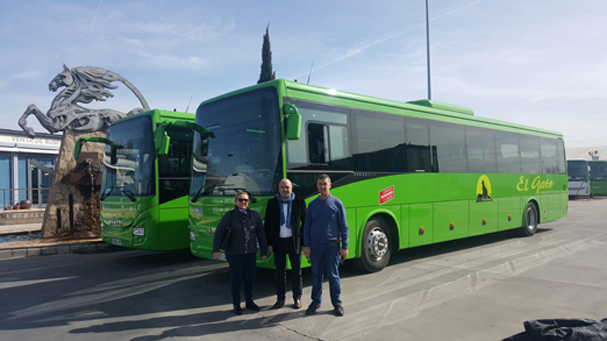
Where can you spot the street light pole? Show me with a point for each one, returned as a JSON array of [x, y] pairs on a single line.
[[428, 51]]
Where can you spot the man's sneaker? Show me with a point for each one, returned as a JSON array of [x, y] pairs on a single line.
[[339, 310], [312, 309]]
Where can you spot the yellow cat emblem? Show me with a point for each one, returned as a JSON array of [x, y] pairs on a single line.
[[483, 189]]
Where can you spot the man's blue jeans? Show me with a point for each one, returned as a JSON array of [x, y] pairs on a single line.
[[325, 257]]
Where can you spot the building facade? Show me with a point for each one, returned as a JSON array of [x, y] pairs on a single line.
[[26, 167]]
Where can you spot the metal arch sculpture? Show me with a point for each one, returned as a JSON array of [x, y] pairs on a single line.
[[83, 84]]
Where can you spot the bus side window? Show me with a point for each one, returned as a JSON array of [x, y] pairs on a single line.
[[420, 156], [317, 137], [530, 154], [508, 156]]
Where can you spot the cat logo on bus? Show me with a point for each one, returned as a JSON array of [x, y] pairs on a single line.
[[483, 189]]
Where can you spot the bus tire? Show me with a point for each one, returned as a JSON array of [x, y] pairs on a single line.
[[376, 246], [531, 220]]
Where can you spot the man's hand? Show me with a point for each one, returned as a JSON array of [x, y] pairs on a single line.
[[264, 257], [270, 248], [344, 254], [215, 255], [306, 251]]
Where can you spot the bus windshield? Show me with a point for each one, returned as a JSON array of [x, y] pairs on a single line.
[[577, 170], [129, 168], [244, 154]]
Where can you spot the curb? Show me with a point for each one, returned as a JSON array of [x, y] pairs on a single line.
[[55, 249]]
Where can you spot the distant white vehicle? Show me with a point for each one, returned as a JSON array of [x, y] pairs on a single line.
[[578, 175]]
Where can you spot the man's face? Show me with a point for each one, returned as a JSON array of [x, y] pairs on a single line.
[[285, 188], [323, 186]]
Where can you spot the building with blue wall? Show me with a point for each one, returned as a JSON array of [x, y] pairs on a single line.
[[26, 166]]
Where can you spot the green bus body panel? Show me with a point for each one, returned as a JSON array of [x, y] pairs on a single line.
[[598, 187], [413, 208], [429, 200], [173, 227], [166, 225], [421, 224], [598, 182], [510, 215], [447, 213], [119, 216]]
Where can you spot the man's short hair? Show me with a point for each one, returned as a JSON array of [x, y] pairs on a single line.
[[324, 176]]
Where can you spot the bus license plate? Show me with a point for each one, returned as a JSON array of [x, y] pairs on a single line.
[[222, 256], [116, 241]]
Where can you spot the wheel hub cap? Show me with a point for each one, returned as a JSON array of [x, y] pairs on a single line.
[[378, 243]]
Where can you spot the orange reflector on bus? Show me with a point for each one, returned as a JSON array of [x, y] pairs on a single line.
[[451, 226], [484, 221], [509, 217], [421, 230]]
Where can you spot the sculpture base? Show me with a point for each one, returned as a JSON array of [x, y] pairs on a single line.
[[72, 209]]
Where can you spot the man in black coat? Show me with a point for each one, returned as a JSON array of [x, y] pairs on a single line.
[[284, 222]]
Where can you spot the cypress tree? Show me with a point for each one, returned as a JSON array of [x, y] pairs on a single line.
[[266, 60]]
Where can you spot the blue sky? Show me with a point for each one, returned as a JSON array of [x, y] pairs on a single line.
[[541, 63]]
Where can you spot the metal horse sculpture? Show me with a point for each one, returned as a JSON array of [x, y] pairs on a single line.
[[82, 85]]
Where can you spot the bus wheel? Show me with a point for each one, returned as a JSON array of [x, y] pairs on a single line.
[[531, 220], [376, 247]]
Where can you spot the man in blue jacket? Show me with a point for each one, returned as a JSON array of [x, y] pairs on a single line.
[[325, 229]]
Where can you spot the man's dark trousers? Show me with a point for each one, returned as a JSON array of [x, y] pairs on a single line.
[[281, 251]]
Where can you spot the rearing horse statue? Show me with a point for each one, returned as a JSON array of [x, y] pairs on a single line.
[[82, 84]]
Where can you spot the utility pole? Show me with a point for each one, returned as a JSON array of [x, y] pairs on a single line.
[[428, 51]]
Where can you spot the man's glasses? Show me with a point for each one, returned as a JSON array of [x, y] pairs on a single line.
[[243, 200]]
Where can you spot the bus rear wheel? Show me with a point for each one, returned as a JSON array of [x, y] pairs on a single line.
[[376, 245], [531, 220]]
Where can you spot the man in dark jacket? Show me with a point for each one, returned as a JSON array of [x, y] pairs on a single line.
[[284, 222]]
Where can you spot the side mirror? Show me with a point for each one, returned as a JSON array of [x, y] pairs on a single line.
[[164, 143], [85, 139], [204, 144], [293, 121]]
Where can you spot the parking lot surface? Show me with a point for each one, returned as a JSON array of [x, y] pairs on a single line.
[[481, 288]]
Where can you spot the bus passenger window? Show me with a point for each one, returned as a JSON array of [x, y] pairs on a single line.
[[317, 148]]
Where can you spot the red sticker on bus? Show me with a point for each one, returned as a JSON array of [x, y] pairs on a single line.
[[386, 195]]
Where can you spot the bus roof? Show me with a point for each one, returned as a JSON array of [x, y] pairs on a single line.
[[168, 114], [419, 108]]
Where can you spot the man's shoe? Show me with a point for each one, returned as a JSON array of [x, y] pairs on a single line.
[[278, 304], [296, 304], [252, 306], [339, 310], [238, 310], [312, 309]]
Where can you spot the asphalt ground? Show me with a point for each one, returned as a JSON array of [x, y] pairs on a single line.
[[480, 288]]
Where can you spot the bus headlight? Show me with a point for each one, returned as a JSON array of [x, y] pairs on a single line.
[[192, 236], [139, 231]]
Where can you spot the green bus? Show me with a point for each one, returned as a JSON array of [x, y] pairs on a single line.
[[146, 180], [598, 177], [409, 174]]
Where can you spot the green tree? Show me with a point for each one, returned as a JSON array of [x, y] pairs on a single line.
[[266, 60]]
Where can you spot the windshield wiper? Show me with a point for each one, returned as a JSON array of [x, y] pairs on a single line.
[[129, 194], [200, 192], [106, 192]]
